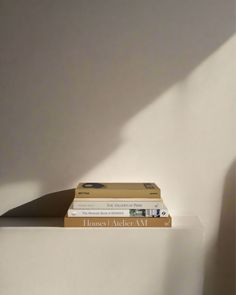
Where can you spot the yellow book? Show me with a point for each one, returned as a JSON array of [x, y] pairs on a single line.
[[117, 191]]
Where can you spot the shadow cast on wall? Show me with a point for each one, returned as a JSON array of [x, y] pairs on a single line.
[[220, 267], [48, 210], [51, 205], [74, 73]]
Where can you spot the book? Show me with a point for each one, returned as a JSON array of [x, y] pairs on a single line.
[[118, 213], [117, 222], [93, 191], [117, 204]]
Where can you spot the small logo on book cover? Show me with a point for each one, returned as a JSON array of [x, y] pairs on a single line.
[[93, 185], [149, 186]]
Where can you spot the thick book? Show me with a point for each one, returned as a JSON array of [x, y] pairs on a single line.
[[117, 204], [118, 213], [94, 191], [117, 222]]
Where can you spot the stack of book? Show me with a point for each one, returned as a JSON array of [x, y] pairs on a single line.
[[117, 205]]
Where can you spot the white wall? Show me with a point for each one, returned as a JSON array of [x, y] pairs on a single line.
[[121, 91]]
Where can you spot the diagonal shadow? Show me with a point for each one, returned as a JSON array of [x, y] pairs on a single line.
[[74, 73], [48, 210], [54, 204]]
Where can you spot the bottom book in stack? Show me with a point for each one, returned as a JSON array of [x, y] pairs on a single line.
[[117, 221]]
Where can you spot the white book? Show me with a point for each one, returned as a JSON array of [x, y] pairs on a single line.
[[118, 213], [118, 204]]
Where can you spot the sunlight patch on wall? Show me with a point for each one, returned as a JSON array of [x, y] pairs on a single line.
[[183, 140]]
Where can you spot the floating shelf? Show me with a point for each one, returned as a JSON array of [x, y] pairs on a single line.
[[40, 257]]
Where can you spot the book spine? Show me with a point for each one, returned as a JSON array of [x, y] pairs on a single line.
[[118, 213], [117, 222], [128, 193], [117, 205]]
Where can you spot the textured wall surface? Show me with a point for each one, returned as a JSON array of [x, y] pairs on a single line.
[[123, 91]]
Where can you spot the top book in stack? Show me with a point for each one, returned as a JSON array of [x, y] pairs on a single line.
[[117, 191]]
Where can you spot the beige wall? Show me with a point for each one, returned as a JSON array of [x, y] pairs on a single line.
[[121, 91]]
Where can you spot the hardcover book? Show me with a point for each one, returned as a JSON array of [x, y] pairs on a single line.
[[117, 191], [118, 213], [117, 204], [117, 222]]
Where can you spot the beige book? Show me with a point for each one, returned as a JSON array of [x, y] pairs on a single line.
[[117, 222], [115, 191]]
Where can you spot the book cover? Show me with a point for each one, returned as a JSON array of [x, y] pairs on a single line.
[[117, 222], [95, 191]]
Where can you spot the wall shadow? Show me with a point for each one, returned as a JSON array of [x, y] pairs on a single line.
[[220, 276], [73, 74], [31, 222], [47, 211], [54, 204]]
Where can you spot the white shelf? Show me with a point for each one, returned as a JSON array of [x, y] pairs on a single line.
[[38, 259]]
